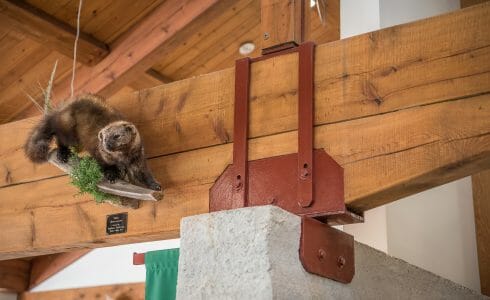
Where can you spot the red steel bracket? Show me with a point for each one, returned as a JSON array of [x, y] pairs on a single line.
[[308, 183]]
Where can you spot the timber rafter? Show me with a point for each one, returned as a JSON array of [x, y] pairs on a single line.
[[402, 109]]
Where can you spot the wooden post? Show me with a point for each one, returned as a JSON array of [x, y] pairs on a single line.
[[282, 24], [481, 202]]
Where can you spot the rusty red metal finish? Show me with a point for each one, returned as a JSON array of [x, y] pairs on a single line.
[[326, 251], [240, 133], [308, 183], [274, 181], [305, 124], [279, 48], [138, 258]]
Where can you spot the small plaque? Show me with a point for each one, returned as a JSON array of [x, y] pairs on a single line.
[[117, 223]]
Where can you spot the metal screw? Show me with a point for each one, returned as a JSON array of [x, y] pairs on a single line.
[[266, 35], [238, 183], [321, 254], [340, 262]]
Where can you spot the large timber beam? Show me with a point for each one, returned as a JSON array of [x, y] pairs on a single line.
[[14, 275], [129, 291], [399, 115], [481, 201], [43, 267], [43, 28]]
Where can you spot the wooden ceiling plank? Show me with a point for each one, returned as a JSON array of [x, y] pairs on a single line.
[[215, 47], [400, 118], [219, 33], [50, 32], [137, 46], [14, 275], [44, 267], [210, 22], [147, 80], [219, 59], [13, 98]]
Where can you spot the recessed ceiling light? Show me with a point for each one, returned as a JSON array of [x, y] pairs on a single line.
[[246, 48]]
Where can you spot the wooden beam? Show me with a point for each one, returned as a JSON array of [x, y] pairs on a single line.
[[14, 275], [481, 201], [466, 3], [282, 23], [44, 267], [135, 48], [50, 32], [149, 79], [128, 291], [399, 116], [133, 54]]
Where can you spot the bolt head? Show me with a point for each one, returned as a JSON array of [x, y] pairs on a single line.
[[321, 254], [266, 35], [340, 262]]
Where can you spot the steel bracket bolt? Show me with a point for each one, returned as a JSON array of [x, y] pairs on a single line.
[[340, 262], [321, 254]]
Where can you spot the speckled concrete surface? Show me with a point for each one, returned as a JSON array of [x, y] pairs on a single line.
[[252, 253]]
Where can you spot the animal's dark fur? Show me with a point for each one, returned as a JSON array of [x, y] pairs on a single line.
[[89, 125]]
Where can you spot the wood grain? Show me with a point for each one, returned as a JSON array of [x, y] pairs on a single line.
[[14, 275], [398, 115], [43, 267], [361, 76], [140, 42], [128, 291], [481, 202], [282, 22], [45, 29], [385, 158]]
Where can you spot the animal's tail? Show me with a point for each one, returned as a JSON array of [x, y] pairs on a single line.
[[37, 145]]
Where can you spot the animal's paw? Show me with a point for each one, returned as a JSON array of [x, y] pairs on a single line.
[[63, 155], [111, 174], [155, 186]]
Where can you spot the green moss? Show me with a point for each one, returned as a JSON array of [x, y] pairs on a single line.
[[86, 174]]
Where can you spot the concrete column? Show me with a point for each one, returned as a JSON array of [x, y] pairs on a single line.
[[252, 253]]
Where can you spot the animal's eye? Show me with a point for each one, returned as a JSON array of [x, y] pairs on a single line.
[[116, 136], [128, 128]]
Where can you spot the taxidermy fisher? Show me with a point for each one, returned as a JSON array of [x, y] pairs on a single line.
[[88, 124]]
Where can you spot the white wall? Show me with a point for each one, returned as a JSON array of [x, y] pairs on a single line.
[[394, 12], [357, 17], [435, 230], [104, 266]]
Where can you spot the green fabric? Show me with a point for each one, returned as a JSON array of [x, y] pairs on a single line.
[[161, 274]]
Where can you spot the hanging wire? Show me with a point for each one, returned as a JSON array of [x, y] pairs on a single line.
[[75, 49]]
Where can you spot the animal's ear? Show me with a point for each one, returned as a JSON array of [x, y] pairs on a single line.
[[100, 135], [130, 128]]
